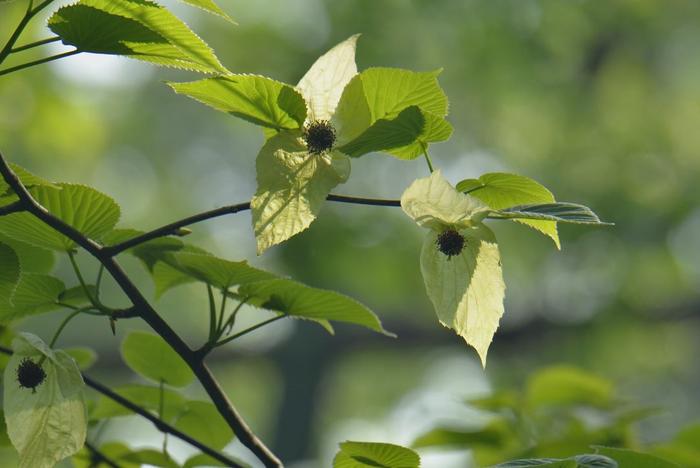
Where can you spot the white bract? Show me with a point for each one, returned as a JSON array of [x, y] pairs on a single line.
[[48, 423], [465, 287], [293, 182]]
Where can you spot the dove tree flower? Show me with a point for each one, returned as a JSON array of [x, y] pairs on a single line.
[[460, 261], [314, 129]]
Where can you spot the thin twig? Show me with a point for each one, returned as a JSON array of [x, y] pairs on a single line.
[[150, 316], [35, 44], [157, 422], [38, 62]]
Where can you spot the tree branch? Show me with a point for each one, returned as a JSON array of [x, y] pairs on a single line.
[[157, 422], [149, 315], [14, 207], [100, 457]]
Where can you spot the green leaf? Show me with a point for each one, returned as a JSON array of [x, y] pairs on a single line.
[[27, 178], [466, 290], [31, 259], [113, 450], [9, 271], [372, 454], [497, 434], [372, 101], [405, 135], [151, 357], [84, 357], [391, 90], [292, 187], [564, 385], [87, 210], [560, 212], [148, 397], [211, 7], [48, 424], [76, 296], [220, 273], [433, 203], [150, 457], [165, 278], [134, 28], [292, 298], [201, 420], [501, 190], [323, 85], [34, 294], [538, 462], [257, 99], [630, 459]]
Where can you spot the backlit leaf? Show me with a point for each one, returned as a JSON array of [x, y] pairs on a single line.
[[151, 357]]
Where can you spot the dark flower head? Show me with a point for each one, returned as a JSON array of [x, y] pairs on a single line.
[[30, 374], [450, 242], [319, 136]]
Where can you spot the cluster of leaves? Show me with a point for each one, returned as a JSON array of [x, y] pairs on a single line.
[[561, 412], [313, 131]]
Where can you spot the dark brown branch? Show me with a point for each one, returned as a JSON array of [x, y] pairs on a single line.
[[157, 422], [14, 207], [149, 315], [172, 228]]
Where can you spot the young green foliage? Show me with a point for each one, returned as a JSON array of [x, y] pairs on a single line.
[[133, 28], [46, 423], [151, 357]]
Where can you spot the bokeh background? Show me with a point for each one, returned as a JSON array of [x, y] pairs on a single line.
[[599, 101]]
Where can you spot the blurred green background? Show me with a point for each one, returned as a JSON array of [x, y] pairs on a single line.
[[599, 101]]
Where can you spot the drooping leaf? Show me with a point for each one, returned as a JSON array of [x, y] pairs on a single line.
[[373, 100], [559, 212], [134, 28], [76, 296], [151, 357], [564, 385], [84, 208], [211, 7], [148, 397], [404, 135], [49, 423], [292, 186], [83, 357], [374, 454], [257, 99], [433, 203], [298, 300], [201, 420], [467, 290], [220, 273], [34, 294], [325, 81], [165, 278], [501, 190], [626, 458]]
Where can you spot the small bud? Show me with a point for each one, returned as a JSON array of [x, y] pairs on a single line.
[[319, 136], [30, 374], [450, 242]]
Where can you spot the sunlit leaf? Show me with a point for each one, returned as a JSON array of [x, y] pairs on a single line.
[[148, 397], [34, 294], [151, 357], [211, 7], [32, 259], [296, 299], [84, 208], [220, 273], [559, 212], [325, 81], [497, 434], [501, 190], [48, 423], [133, 28], [257, 99], [292, 187]]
